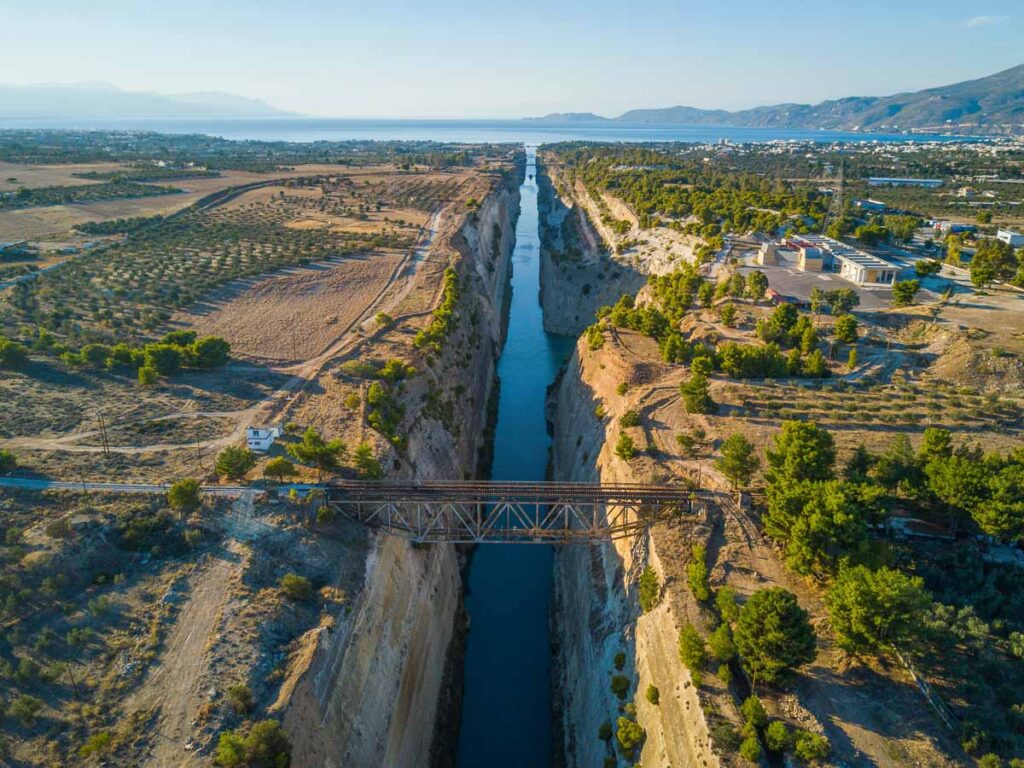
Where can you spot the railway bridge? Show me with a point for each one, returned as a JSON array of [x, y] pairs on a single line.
[[477, 512]]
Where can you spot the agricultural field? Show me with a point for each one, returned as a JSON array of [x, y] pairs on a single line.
[[289, 275]]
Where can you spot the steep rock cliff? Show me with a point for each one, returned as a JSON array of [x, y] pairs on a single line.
[[375, 688], [596, 612], [577, 273]]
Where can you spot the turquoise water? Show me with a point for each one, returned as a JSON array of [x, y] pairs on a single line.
[[474, 131], [506, 705]]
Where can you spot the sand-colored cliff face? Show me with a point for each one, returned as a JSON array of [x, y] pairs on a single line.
[[577, 273], [596, 610], [371, 690]]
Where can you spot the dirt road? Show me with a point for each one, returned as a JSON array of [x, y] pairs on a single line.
[[172, 689]]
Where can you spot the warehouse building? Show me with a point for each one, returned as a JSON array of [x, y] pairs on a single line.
[[818, 253], [885, 181]]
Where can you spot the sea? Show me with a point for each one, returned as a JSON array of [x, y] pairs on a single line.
[[530, 132]]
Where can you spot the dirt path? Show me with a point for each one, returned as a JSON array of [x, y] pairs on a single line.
[[172, 688]]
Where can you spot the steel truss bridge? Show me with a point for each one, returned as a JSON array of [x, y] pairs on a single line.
[[475, 512]]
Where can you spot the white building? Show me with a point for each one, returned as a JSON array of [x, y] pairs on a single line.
[[851, 263], [887, 181], [1015, 239], [261, 438]]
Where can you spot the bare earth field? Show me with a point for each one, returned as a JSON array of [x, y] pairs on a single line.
[[296, 314], [34, 176]]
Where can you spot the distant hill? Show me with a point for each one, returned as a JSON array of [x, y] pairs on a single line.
[[98, 100], [993, 104]]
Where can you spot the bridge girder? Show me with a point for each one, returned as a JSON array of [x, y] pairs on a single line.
[[524, 513]]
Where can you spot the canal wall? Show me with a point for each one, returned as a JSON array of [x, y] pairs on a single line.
[[596, 611], [578, 273], [380, 686]]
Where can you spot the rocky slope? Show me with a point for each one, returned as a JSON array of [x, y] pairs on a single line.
[[596, 613], [577, 272], [373, 688]]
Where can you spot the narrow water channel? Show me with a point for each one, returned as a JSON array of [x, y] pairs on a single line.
[[506, 705]]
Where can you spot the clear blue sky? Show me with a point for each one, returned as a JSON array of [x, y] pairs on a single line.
[[482, 58]]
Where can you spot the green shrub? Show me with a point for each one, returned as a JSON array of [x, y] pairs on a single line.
[[721, 644], [230, 752], [754, 712], [604, 733], [619, 661], [279, 468], [13, 355], [8, 461], [234, 462], [630, 419], [59, 528], [750, 749], [653, 695], [165, 359], [148, 376], [726, 738], [620, 686], [725, 601], [625, 448], [810, 746], [649, 590], [240, 698], [210, 352], [691, 648], [367, 465], [697, 573], [97, 744], [184, 495], [25, 708], [630, 735], [777, 737], [296, 587]]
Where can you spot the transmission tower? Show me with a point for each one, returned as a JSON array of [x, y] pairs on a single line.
[[835, 208]]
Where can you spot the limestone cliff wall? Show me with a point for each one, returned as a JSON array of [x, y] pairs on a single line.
[[376, 686], [596, 612], [577, 273]]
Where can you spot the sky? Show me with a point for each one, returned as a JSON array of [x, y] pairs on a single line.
[[489, 59]]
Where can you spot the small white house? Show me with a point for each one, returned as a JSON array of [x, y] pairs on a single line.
[[261, 438], [1015, 239]]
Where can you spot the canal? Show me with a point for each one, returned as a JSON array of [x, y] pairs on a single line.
[[506, 705]]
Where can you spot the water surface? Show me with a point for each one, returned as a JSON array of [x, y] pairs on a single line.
[[470, 131], [506, 705]]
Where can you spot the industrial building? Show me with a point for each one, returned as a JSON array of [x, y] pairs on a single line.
[[818, 253], [872, 206], [1015, 239], [885, 181]]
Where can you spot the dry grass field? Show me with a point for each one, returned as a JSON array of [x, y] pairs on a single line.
[[296, 314], [16, 175]]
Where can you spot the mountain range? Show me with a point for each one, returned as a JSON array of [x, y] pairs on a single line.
[[993, 104], [102, 101]]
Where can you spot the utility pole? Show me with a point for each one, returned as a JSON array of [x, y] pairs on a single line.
[[71, 675], [199, 450], [103, 434]]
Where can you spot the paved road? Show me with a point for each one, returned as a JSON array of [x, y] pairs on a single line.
[[41, 484]]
